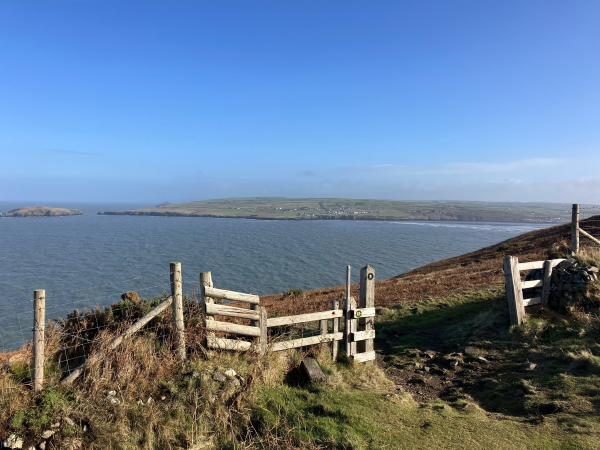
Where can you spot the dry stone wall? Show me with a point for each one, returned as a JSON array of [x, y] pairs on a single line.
[[568, 285]]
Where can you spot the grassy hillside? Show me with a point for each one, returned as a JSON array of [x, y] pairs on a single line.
[[357, 209], [414, 398]]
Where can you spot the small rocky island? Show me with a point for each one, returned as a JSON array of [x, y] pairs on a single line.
[[42, 211]]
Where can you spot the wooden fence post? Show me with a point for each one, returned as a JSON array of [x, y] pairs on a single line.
[[263, 340], [39, 326], [177, 294], [514, 293], [347, 306], [206, 281], [548, 266], [575, 229], [353, 323], [336, 328], [367, 300]]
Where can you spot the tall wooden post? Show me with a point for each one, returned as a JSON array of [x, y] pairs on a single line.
[[206, 281], [336, 328], [367, 300], [347, 306], [575, 229], [514, 293], [262, 323], [39, 325], [177, 294], [352, 328]]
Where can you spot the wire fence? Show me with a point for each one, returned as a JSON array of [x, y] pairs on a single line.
[[589, 221], [77, 326]]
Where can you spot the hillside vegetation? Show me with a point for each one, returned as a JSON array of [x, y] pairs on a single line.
[[282, 208], [451, 374]]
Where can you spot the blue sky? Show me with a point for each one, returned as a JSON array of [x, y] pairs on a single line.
[[187, 100]]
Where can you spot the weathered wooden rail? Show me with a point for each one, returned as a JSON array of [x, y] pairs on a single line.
[[358, 333], [514, 286]]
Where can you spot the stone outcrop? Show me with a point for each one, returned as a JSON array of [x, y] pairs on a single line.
[[42, 211], [568, 286]]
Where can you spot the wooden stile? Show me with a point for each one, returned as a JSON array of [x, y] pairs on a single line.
[[366, 322], [336, 328], [514, 293], [206, 282], [178, 323], [575, 229], [229, 344], [347, 308], [364, 357], [39, 327], [531, 265], [362, 336], [231, 311], [303, 318], [353, 326], [532, 301], [263, 339], [232, 328], [231, 295], [548, 266], [301, 342], [532, 284]]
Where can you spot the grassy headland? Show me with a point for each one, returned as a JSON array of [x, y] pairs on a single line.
[[282, 208], [451, 310]]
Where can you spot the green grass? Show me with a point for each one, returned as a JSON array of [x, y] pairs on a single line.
[[491, 404], [344, 208]]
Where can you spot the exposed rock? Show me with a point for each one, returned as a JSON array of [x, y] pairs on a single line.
[[42, 445], [568, 286], [114, 400], [229, 373], [55, 425], [453, 363], [130, 296], [481, 358], [111, 393], [528, 366], [218, 376], [70, 421], [235, 382], [42, 211], [48, 434], [13, 441]]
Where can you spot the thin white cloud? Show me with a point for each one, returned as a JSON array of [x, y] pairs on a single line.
[[455, 168]]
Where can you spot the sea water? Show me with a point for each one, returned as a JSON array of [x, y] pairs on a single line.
[[86, 260]]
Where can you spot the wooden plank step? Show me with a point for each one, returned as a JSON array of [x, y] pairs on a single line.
[[232, 328], [530, 265], [531, 284], [532, 301], [362, 335], [362, 312], [312, 369], [302, 318], [295, 343], [212, 309], [230, 295], [228, 344], [364, 357]]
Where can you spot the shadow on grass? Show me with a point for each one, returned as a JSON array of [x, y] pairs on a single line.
[[475, 331]]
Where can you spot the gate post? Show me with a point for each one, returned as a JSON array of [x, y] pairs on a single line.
[[575, 229], [367, 300]]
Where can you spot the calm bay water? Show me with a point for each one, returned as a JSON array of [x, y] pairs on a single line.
[[78, 259]]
